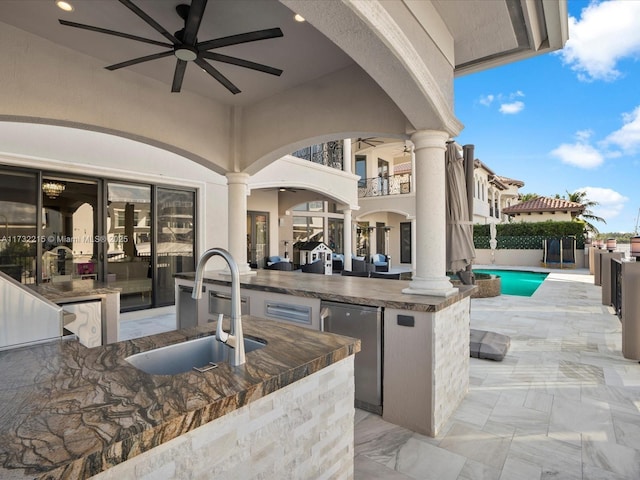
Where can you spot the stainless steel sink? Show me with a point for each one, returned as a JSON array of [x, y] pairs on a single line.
[[200, 354]]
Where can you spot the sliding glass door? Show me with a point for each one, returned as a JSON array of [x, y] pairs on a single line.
[[175, 240], [18, 225], [129, 243], [70, 229]]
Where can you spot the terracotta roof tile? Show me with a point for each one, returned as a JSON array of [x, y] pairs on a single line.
[[544, 204], [511, 181], [400, 168]]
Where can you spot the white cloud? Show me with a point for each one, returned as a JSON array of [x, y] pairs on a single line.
[[578, 154], [610, 202], [606, 33], [487, 100], [584, 135], [627, 137], [512, 108]]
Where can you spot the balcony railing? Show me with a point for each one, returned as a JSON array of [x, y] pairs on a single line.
[[380, 186], [329, 154]]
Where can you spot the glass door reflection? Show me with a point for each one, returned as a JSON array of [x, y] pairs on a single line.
[[175, 240], [129, 243], [70, 230]]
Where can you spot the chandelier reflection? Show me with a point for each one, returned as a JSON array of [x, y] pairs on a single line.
[[53, 189]]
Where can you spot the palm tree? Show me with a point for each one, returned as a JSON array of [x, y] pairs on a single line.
[[527, 196], [587, 214]]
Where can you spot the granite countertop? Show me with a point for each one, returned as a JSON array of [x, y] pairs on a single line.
[[73, 290], [355, 290], [67, 411]]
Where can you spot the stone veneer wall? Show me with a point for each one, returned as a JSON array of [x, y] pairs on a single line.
[[305, 430], [451, 332]]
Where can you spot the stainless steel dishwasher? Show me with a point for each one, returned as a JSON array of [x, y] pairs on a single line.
[[365, 323]]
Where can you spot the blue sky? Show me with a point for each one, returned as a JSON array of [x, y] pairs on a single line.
[[570, 120]]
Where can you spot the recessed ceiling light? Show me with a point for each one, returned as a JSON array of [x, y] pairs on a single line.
[[66, 6], [298, 18]]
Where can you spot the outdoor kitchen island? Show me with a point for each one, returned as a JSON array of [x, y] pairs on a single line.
[[72, 412], [425, 339]]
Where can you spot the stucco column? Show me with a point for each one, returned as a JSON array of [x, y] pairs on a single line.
[[237, 190], [348, 238], [346, 155], [430, 247]]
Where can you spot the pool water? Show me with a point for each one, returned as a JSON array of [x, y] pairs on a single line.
[[517, 282]]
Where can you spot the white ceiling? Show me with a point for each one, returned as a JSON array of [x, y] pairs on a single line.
[[303, 53]]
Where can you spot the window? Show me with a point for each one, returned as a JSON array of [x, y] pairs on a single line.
[[405, 242], [361, 170], [308, 229]]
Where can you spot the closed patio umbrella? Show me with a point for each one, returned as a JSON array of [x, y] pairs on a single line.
[[460, 250]]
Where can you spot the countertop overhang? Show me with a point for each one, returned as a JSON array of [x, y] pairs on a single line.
[[70, 412], [355, 290]]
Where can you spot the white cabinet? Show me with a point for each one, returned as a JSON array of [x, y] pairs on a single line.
[[88, 322]]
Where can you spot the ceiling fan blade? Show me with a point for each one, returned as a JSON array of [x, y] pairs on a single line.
[[178, 76], [217, 75], [150, 21], [135, 61], [192, 24], [241, 63], [240, 38], [114, 33]]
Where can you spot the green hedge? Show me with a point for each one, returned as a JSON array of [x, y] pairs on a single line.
[[527, 236]]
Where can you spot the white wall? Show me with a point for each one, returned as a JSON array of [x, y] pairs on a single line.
[[536, 217], [525, 258]]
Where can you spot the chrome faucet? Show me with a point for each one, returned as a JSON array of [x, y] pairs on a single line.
[[235, 338]]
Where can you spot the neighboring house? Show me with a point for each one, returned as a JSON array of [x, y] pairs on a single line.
[[543, 209], [492, 194], [203, 160]]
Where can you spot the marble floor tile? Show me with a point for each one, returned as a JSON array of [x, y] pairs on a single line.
[[473, 470], [517, 469], [549, 454], [610, 456], [367, 469], [424, 461], [477, 445], [379, 440], [627, 429]]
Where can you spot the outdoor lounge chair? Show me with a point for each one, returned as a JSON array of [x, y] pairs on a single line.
[[284, 266], [313, 267], [380, 262], [358, 265], [337, 262]]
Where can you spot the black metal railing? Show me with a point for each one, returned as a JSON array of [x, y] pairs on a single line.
[[21, 268], [616, 286], [379, 186], [329, 154]]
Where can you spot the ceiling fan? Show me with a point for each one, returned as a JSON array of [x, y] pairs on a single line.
[[185, 46], [369, 141]]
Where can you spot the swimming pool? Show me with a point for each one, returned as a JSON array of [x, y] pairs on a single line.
[[517, 282]]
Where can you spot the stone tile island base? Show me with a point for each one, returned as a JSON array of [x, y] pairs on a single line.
[[304, 430], [426, 366]]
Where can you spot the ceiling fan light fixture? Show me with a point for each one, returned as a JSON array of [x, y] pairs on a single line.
[[185, 53]]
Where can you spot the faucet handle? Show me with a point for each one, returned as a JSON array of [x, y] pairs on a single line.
[[221, 335]]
